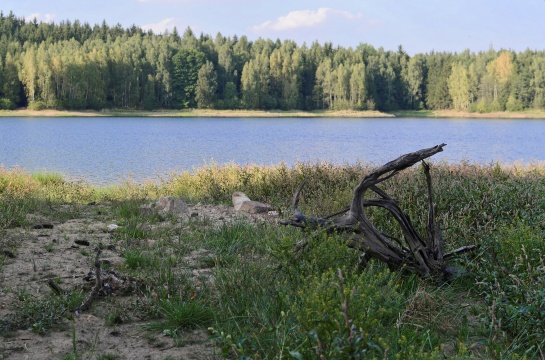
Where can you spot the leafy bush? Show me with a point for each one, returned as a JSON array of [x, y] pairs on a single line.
[[7, 104], [342, 311], [37, 105]]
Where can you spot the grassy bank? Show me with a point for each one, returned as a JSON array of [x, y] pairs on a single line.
[[529, 114], [192, 113], [267, 303]]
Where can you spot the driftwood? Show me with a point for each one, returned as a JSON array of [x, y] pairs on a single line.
[[415, 253], [98, 285]]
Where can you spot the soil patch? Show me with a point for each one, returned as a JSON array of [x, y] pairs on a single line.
[[63, 251]]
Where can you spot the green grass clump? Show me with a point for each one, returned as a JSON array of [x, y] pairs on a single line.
[[179, 315], [40, 314], [48, 178]]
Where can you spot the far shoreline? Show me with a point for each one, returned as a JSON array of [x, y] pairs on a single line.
[[192, 113], [202, 113]]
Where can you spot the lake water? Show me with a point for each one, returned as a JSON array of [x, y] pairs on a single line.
[[108, 150]]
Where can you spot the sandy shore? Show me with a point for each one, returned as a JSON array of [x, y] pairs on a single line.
[[193, 113], [534, 114]]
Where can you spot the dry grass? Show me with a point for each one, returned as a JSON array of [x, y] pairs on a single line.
[[193, 113], [528, 114]]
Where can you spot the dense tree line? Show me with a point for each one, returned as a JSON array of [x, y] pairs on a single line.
[[77, 66]]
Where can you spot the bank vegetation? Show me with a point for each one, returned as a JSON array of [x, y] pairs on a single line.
[[267, 302]]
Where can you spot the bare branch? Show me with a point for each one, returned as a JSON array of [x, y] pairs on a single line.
[[98, 285]]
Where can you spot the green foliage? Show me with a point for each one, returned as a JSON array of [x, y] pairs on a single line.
[[37, 105], [136, 259], [186, 66], [513, 104], [207, 86], [307, 308], [458, 86], [179, 315], [40, 315], [341, 311], [437, 90], [266, 301], [48, 179], [7, 104], [513, 283], [69, 66]]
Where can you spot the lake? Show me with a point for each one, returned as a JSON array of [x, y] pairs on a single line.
[[109, 150]]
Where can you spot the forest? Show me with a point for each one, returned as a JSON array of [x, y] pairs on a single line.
[[77, 66]]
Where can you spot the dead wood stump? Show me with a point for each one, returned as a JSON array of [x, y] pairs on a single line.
[[416, 253]]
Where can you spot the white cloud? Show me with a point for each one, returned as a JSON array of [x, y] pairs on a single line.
[[48, 18], [305, 18], [161, 26]]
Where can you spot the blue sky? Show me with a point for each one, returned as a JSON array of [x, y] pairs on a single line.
[[419, 25]]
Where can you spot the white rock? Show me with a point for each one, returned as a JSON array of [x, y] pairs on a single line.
[[238, 199], [242, 202]]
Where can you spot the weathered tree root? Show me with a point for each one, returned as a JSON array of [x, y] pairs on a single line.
[[55, 287], [413, 252], [98, 285]]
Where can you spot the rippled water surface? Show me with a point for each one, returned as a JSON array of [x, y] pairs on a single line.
[[107, 150]]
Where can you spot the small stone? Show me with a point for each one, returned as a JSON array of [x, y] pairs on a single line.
[[112, 227], [170, 205], [164, 206]]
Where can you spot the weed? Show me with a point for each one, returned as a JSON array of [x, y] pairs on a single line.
[[39, 315], [49, 247], [179, 314], [136, 259]]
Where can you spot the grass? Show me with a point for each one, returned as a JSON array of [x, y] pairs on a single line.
[[526, 114], [40, 314], [182, 315], [265, 302]]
